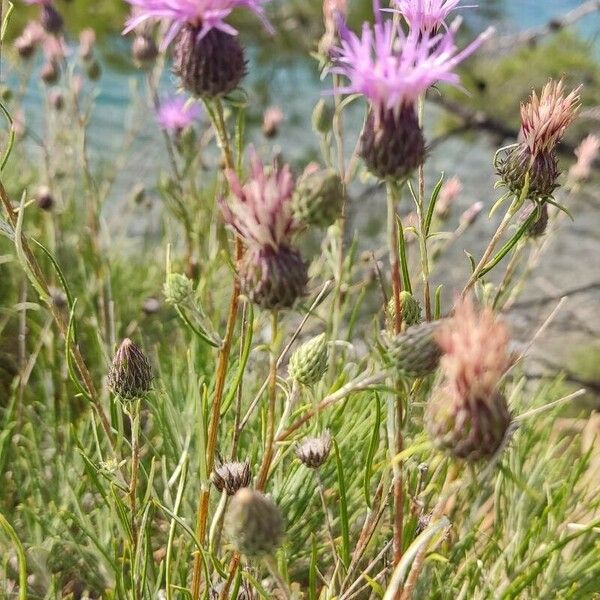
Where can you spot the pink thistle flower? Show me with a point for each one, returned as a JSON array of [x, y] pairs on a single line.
[[392, 68], [260, 210], [426, 15], [544, 119], [475, 353], [87, 41], [272, 119], [448, 194], [468, 415], [272, 273], [202, 14], [586, 154], [177, 113]]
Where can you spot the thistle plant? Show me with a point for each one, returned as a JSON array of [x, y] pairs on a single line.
[[323, 418]]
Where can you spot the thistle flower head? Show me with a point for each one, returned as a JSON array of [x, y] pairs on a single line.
[[475, 352], [260, 210], [545, 118], [130, 374], [231, 476], [426, 15], [177, 113], [313, 451], [272, 272], [392, 68], [254, 523], [204, 15]]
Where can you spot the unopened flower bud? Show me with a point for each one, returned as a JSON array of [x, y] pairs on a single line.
[[178, 289], [50, 72], [231, 476], [272, 119], [322, 117], [93, 70], [211, 65], [130, 375], [254, 523], [415, 352], [410, 310], [308, 364], [57, 100], [313, 451], [144, 50], [44, 198], [87, 41], [318, 198]]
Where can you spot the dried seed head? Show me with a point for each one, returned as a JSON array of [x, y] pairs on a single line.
[[254, 523], [415, 352], [313, 451], [392, 142], [308, 364], [231, 476], [318, 198], [178, 289], [130, 375], [210, 65], [410, 309]]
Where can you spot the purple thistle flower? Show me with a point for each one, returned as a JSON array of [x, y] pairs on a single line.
[[176, 113], [202, 14], [426, 15], [392, 68]]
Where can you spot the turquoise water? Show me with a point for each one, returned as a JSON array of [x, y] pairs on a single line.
[[292, 84]]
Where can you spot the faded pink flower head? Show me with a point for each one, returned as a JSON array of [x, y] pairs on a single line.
[[475, 354], [392, 68], [426, 15], [471, 215], [203, 14], [333, 12], [448, 194], [272, 119], [55, 48], [177, 113], [87, 40], [586, 154], [545, 118], [260, 210]]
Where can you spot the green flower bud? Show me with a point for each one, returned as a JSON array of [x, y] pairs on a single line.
[[178, 288], [318, 198], [322, 117], [254, 523], [415, 352], [410, 309], [309, 363]]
